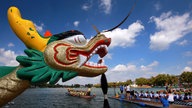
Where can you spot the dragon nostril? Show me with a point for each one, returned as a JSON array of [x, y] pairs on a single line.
[[106, 40]]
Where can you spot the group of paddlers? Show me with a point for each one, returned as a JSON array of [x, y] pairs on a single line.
[[79, 92], [169, 96]]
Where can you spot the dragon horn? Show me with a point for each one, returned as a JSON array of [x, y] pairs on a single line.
[[95, 28], [123, 19], [25, 30]]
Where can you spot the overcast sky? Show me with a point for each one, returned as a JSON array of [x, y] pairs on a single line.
[[155, 39]]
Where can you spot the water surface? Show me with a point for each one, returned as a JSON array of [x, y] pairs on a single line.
[[57, 98]]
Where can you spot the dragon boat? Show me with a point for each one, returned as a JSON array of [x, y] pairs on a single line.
[[60, 56], [50, 58], [147, 102], [80, 93]]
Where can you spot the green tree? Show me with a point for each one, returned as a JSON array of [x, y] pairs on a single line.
[[161, 80], [76, 85], [128, 82], [142, 81], [110, 84], [89, 85], [172, 80], [152, 81], [186, 77]]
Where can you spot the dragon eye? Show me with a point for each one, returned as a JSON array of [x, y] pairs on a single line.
[[77, 40]]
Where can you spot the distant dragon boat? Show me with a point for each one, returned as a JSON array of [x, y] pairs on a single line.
[[80, 93]]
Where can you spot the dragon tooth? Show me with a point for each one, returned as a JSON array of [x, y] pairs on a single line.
[[94, 52], [82, 60], [96, 49], [99, 46], [90, 63], [106, 47], [95, 64]]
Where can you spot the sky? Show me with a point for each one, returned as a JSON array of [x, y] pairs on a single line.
[[155, 39]]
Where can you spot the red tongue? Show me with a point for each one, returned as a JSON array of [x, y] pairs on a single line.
[[102, 52]]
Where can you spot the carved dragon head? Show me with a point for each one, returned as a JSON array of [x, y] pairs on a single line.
[[64, 55], [73, 53]]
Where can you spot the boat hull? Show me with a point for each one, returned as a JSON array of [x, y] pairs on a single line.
[[148, 103], [85, 97]]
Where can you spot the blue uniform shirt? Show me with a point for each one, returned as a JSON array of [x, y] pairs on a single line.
[[165, 102]]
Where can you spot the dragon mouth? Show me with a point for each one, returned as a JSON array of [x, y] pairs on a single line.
[[101, 51]]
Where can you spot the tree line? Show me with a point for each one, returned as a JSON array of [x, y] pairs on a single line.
[[183, 80], [47, 85]]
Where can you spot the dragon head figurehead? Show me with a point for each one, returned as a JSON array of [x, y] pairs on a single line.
[[64, 55], [71, 51]]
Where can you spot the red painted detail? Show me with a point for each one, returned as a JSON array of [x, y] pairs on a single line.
[[67, 53], [75, 40], [69, 57], [71, 54], [47, 34], [79, 40]]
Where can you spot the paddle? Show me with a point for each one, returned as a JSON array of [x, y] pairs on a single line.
[[104, 87]]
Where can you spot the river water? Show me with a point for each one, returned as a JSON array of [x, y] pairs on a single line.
[[57, 98]]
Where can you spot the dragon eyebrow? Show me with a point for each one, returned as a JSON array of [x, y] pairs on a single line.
[[67, 34]]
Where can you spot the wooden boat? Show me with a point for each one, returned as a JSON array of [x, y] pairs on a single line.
[[150, 104], [85, 97], [80, 93], [140, 103]]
